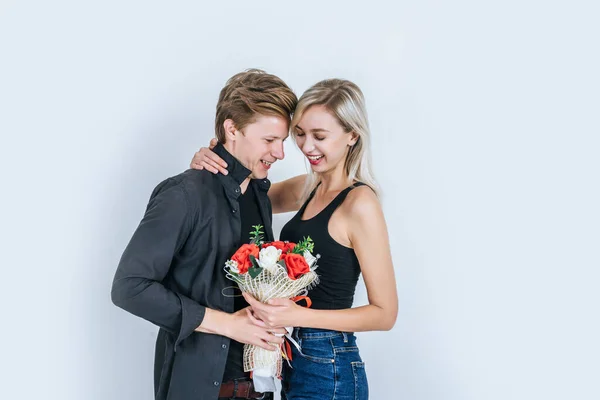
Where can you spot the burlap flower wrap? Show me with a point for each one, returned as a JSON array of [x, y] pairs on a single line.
[[267, 277]]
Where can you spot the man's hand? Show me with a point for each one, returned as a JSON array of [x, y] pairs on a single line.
[[242, 327], [205, 158]]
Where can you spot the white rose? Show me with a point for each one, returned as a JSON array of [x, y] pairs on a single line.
[[268, 258], [310, 259]]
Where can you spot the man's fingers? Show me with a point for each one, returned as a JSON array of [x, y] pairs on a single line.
[[265, 345], [254, 320], [273, 339], [281, 331]]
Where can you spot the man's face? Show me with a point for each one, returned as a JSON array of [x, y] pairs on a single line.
[[260, 144]]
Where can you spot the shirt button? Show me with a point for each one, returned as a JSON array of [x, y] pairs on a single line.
[[224, 346], [233, 211], [237, 190], [216, 383]]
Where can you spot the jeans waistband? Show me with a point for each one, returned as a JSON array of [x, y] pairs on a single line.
[[315, 333]]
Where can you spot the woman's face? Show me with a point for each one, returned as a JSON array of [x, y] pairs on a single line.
[[322, 139]]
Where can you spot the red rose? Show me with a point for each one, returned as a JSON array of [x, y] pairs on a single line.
[[296, 265], [242, 256], [289, 247], [285, 247]]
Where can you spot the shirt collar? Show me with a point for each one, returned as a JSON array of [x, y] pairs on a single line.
[[236, 170]]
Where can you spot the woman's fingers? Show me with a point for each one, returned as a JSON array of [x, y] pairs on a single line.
[[213, 167], [210, 157]]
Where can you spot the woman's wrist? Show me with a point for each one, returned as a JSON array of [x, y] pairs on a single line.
[[303, 317]]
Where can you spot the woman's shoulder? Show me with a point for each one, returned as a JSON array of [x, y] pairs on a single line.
[[362, 194], [362, 202]]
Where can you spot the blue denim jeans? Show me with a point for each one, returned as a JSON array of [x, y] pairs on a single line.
[[329, 367]]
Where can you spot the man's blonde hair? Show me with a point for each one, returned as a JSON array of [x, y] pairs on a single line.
[[251, 93]]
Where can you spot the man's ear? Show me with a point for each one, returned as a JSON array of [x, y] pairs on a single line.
[[230, 130]]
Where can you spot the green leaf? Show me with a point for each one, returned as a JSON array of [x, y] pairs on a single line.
[[256, 235], [254, 262], [305, 244], [254, 272], [256, 269]]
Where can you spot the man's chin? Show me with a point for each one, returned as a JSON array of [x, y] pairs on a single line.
[[259, 174]]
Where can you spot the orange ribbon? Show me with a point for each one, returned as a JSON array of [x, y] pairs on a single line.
[[286, 348], [298, 298]]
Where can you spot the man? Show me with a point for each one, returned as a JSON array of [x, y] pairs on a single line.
[[171, 273]]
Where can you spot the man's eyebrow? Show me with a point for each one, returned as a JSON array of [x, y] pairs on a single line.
[[271, 136]]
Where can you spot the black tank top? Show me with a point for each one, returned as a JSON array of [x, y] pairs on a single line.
[[338, 266]]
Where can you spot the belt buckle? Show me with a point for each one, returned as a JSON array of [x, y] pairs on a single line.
[[263, 396]]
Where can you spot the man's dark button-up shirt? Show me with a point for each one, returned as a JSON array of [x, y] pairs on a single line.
[[172, 269]]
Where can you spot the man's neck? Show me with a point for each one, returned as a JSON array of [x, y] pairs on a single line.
[[230, 147], [244, 185]]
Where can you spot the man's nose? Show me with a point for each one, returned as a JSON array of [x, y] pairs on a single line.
[[277, 151]]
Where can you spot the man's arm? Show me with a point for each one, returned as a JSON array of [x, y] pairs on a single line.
[[137, 286]]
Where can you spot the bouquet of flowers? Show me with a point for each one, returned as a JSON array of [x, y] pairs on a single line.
[[269, 270]]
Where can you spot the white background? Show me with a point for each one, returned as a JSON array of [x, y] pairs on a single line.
[[485, 121]]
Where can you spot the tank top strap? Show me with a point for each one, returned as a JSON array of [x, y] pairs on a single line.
[[338, 200], [312, 194]]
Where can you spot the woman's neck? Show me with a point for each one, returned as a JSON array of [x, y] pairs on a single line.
[[334, 181]]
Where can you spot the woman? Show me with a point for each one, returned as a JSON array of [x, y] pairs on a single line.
[[339, 209]]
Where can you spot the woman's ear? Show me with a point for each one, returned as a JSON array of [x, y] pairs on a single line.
[[353, 139]]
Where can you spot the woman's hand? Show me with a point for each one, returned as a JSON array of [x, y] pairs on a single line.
[[205, 158], [277, 313]]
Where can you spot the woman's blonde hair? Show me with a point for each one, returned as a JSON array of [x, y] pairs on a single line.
[[345, 101]]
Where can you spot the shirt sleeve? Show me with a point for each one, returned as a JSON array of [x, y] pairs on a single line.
[[137, 285]]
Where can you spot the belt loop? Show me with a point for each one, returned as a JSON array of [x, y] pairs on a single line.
[[235, 387], [345, 337], [248, 387]]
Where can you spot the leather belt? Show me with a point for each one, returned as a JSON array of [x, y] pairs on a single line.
[[243, 389]]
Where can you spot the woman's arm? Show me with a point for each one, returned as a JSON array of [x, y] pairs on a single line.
[[285, 195], [368, 233]]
